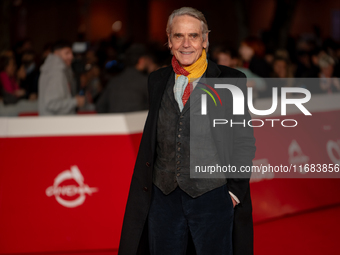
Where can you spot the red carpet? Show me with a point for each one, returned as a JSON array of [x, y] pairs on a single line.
[[313, 232]]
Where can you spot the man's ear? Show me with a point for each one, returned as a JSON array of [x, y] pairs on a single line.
[[169, 42], [205, 42]]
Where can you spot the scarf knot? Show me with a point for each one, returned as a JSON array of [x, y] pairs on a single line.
[[187, 75]]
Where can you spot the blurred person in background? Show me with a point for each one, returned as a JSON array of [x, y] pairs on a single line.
[[30, 82], [226, 57], [328, 83], [332, 48], [91, 83], [337, 61], [47, 49], [128, 92], [313, 70], [282, 71], [252, 53], [91, 57], [230, 58], [21, 47], [281, 68], [303, 63], [56, 95], [88, 75], [9, 79]]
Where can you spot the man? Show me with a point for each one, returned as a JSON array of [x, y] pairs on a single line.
[[165, 206], [55, 83], [128, 91]]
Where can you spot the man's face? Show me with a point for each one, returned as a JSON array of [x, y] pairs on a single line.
[[65, 54], [186, 40]]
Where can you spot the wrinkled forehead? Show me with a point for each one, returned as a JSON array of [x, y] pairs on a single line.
[[186, 24]]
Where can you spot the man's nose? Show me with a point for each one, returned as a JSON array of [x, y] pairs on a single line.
[[186, 42]]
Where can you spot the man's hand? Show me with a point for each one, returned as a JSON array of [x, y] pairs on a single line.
[[234, 201], [80, 101]]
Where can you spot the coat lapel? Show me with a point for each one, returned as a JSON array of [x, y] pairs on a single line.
[[159, 88], [212, 70]]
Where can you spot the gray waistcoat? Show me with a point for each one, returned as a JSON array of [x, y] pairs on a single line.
[[171, 168]]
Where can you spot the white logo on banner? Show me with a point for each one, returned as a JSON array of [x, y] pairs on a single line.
[[70, 190], [296, 156], [333, 146]]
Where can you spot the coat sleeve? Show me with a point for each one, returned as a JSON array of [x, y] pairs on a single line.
[[150, 87], [55, 100], [243, 148]]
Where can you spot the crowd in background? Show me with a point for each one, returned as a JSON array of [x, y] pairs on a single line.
[[111, 75]]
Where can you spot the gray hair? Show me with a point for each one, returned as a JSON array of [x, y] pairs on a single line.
[[325, 61], [193, 13]]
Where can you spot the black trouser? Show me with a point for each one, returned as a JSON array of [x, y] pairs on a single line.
[[209, 218]]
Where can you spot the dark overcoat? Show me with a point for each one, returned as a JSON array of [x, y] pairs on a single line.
[[235, 147]]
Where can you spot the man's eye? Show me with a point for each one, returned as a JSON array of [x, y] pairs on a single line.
[[194, 37]]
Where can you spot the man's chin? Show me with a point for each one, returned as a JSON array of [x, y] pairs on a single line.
[[186, 62]]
